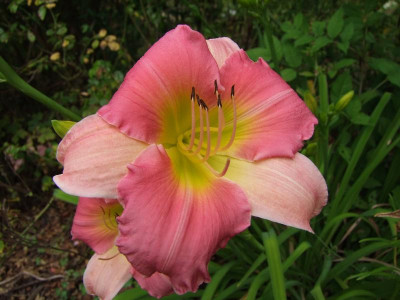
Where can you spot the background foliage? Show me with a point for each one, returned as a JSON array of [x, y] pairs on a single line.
[[342, 57]]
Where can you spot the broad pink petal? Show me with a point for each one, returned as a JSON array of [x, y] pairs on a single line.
[[158, 285], [285, 190], [272, 119], [95, 224], [221, 49], [95, 156], [153, 103], [174, 220], [106, 274]]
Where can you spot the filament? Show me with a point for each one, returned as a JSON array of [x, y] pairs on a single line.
[[201, 130], [208, 137], [234, 120], [193, 133], [224, 170]]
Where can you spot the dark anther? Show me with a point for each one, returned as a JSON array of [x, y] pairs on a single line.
[[203, 104], [219, 101], [104, 213], [198, 100], [233, 91], [215, 87], [193, 94]]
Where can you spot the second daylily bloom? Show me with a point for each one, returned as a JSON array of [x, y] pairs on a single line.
[[196, 140]]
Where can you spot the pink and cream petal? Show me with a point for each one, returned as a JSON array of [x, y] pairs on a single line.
[[153, 103], [285, 190], [157, 285], [221, 49], [271, 119], [106, 274], [176, 216], [95, 223], [95, 156]]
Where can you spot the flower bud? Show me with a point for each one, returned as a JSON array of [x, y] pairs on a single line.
[[344, 101], [310, 101], [102, 33], [55, 56]]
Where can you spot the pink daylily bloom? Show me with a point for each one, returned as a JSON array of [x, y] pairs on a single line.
[[196, 140]]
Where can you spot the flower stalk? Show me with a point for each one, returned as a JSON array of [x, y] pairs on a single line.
[[14, 80]]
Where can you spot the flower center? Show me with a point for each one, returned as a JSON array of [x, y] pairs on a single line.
[[201, 149]]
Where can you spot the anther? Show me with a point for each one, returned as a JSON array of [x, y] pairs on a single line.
[[192, 96], [203, 104], [215, 87], [219, 102], [198, 99], [232, 91]]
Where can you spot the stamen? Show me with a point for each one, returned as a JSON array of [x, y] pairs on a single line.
[[234, 120], [223, 172], [208, 134], [215, 88], [108, 258], [221, 124], [193, 133], [201, 126]]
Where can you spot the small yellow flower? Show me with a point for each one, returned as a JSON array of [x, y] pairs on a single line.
[[65, 43], [102, 33], [103, 44], [55, 56], [114, 46], [89, 51], [50, 5], [110, 38], [85, 60]]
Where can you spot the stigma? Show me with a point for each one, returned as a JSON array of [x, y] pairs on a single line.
[[200, 145]]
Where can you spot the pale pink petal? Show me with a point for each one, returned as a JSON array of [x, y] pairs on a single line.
[[221, 49], [95, 156], [106, 274], [158, 285], [153, 103], [272, 120], [176, 215], [95, 223], [285, 190]]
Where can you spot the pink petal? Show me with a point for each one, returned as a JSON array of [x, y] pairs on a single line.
[[153, 103], [158, 285], [221, 49], [106, 274], [272, 119], [285, 190], [176, 215], [94, 223], [95, 156]]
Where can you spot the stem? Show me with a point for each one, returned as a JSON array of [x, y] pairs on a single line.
[[270, 40], [14, 80]]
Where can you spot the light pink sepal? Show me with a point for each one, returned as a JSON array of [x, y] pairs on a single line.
[[286, 190], [221, 49], [271, 119], [95, 156], [106, 274], [172, 228], [157, 285], [94, 223]]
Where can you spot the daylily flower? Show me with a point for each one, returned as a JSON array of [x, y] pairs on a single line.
[[196, 140]]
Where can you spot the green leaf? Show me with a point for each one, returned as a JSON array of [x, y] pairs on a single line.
[[62, 127], [60, 195], [31, 36], [255, 53], [61, 31], [131, 294], [387, 67], [343, 46], [318, 28], [288, 74], [2, 78], [42, 12], [275, 264], [292, 55], [347, 32], [341, 86], [335, 24], [216, 280], [320, 43], [303, 40]]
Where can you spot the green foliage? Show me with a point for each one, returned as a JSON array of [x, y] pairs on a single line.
[[342, 58]]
